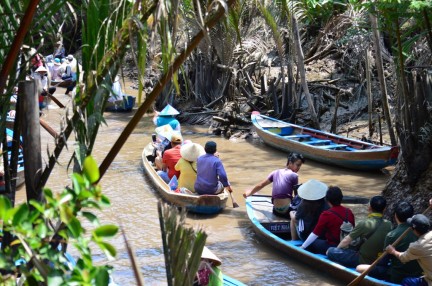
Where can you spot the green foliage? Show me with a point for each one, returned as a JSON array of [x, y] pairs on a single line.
[[37, 237], [182, 246]]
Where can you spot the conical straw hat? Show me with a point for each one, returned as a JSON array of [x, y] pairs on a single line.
[[191, 151], [168, 110], [312, 190], [207, 254]]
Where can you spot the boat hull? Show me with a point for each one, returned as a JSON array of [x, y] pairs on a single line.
[[201, 204], [322, 146], [20, 176], [271, 229], [125, 105]]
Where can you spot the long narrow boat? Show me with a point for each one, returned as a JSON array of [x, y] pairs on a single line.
[[322, 146], [275, 231], [202, 204], [20, 168]]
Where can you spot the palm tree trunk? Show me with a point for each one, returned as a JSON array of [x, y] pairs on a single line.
[[301, 68]]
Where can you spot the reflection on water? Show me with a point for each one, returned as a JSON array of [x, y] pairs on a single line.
[[230, 236]]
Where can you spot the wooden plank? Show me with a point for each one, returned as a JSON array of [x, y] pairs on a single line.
[[297, 136], [332, 146], [318, 142]]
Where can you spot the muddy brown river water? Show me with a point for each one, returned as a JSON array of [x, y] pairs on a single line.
[[230, 235]]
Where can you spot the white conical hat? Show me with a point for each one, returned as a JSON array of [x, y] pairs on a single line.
[[191, 151], [169, 110], [312, 190], [165, 131], [41, 69], [207, 254]]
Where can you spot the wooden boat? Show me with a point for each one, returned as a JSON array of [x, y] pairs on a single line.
[[124, 105], [202, 204], [322, 146], [20, 169], [275, 230]]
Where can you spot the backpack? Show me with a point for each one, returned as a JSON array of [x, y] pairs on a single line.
[[346, 227]]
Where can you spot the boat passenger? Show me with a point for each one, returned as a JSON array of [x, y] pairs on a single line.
[[390, 268], [209, 272], [421, 250], [303, 220], [116, 93], [59, 51], [372, 231], [166, 116], [283, 181], [211, 175], [327, 231], [187, 165], [170, 158], [41, 74], [56, 73]]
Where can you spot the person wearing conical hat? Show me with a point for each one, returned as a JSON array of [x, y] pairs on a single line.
[[313, 203], [187, 165], [209, 272], [166, 116]]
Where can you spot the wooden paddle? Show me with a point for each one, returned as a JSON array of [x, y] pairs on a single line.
[[235, 205], [56, 100], [359, 278]]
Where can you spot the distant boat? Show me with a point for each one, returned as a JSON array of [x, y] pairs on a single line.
[[275, 231], [202, 204], [20, 169], [124, 105], [322, 146]]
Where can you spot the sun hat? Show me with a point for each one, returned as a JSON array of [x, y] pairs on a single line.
[[176, 137], [70, 57], [190, 152], [168, 111], [41, 69], [164, 131], [312, 190], [420, 223], [207, 254]]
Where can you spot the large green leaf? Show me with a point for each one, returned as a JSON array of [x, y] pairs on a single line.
[[108, 230], [91, 169], [5, 205]]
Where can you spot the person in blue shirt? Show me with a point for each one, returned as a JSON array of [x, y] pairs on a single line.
[[166, 116], [211, 175]]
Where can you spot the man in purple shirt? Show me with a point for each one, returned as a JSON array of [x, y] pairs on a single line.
[[211, 175]]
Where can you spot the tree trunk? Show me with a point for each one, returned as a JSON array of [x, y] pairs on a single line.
[[412, 178], [380, 69], [301, 68]]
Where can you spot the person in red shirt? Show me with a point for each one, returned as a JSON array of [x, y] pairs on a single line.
[[327, 231], [170, 158]]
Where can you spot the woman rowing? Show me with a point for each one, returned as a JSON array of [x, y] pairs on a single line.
[[283, 181]]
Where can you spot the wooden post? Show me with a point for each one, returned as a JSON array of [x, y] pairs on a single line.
[[31, 138]]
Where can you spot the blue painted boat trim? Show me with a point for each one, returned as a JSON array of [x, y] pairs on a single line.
[[228, 281]]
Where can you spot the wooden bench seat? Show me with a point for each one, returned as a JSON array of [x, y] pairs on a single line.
[[333, 146], [297, 136], [318, 142]]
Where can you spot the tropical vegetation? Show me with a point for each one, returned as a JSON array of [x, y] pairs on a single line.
[[384, 47]]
